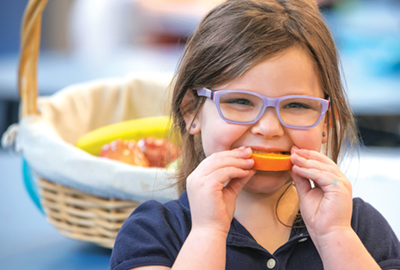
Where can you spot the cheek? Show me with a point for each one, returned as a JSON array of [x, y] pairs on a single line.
[[217, 135], [307, 139], [220, 137], [310, 139]]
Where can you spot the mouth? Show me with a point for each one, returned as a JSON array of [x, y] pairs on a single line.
[[284, 153]]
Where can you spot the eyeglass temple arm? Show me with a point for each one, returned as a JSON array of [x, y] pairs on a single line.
[[206, 93], [329, 103]]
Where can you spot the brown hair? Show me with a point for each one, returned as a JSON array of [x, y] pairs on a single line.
[[237, 35]]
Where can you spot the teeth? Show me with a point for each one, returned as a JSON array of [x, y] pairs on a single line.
[[258, 151]]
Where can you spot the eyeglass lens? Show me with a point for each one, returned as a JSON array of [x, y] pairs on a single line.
[[245, 107]]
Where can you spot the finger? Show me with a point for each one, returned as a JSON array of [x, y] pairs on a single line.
[[215, 164], [223, 175], [312, 155], [235, 185], [305, 176], [301, 161], [240, 158], [324, 173], [302, 184], [241, 152], [316, 184], [321, 178], [216, 179], [312, 163]]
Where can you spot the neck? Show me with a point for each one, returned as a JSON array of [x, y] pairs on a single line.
[[254, 210], [259, 214]]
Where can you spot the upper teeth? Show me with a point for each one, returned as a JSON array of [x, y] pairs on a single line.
[[258, 151]]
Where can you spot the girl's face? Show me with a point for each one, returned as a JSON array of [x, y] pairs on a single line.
[[289, 73]]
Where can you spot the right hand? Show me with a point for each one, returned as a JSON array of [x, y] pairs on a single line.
[[214, 186]]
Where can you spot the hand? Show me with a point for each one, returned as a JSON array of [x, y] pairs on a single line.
[[327, 207], [214, 186]]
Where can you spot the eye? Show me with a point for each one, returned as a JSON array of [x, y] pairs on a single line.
[[296, 105], [240, 101]]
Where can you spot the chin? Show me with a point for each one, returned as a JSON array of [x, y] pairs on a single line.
[[268, 182]]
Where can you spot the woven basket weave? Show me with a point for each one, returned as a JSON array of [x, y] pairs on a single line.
[[82, 216], [74, 213]]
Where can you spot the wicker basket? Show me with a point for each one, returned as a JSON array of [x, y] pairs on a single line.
[[76, 214], [82, 216]]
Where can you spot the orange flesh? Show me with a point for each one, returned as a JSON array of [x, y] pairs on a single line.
[[271, 162]]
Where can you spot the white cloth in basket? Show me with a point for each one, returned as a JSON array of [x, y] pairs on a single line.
[[47, 140]]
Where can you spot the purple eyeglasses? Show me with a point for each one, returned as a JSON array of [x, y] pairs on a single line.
[[245, 107]]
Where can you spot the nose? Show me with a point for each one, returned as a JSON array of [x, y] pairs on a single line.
[[268, 126]]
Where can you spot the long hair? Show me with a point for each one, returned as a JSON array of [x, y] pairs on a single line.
[[239, 34]]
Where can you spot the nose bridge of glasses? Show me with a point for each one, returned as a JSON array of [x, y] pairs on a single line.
[[271, 102]]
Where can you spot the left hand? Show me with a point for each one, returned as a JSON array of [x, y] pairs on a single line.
[[326, 208]]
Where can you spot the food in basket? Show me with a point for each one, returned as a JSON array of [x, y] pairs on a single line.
[[159, 152], [271, 162], [135, 129], [147, 152], [126, 151]]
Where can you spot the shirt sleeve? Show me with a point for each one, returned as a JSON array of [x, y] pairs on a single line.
[[376, 235], [152, 235]]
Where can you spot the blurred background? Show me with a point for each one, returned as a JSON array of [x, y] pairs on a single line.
[[84, 40], [90, 39]]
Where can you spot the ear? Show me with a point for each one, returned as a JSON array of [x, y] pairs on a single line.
[[192, 123], [189, 114], [326, 128]]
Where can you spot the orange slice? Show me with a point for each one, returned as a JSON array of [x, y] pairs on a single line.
[[271, 162]]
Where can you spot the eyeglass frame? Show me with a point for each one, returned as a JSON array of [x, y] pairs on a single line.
[[215, 95]]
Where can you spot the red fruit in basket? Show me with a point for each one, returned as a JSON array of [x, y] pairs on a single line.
[[126, 151], [159, 152]]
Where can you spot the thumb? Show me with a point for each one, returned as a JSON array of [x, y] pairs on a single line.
[[235, 185], [302, 184]]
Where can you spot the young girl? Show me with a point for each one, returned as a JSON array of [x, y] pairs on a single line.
[[259, 76]]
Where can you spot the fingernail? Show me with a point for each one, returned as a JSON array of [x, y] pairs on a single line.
[[295, 148], [244, 148]]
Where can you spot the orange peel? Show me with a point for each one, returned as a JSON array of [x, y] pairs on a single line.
[[271, 162]]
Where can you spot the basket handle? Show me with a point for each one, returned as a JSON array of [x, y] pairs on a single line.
[[29, 55]]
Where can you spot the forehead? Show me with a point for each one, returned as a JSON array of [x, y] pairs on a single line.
[[291, 72]]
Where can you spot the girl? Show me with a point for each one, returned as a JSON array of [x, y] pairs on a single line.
[[259, 76]]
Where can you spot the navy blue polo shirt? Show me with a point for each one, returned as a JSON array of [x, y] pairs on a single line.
[[155, 232]]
